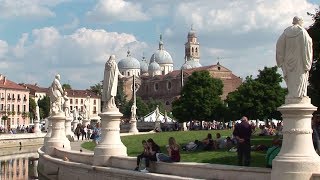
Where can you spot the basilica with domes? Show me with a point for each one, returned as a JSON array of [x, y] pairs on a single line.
[[159, 81]]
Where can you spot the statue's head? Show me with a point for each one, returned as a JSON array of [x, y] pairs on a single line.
[[112, 58], [58, 76], [297, 20]]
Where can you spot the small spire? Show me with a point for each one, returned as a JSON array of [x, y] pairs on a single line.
[[160, 37], [128, 52], [143, 57], [160, 43], [192, 27]]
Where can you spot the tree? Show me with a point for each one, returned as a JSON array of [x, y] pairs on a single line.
[[142, 108], [32, 108], [314, 87], [66, 86], [120, 98], [152, 105], [258, 98], [200, 98], [44, 105], [96, 89]]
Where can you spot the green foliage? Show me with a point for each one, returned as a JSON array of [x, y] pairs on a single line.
[[133, 144], [200, 98], [96, 89], [32, 108], [314, 32], [152, 105], [258, 98], [4, 118], [142, 108], [120, 99], [44, 106], [66, 86]]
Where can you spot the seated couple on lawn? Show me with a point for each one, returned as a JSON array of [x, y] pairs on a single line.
[[209, 144], [151, 152]]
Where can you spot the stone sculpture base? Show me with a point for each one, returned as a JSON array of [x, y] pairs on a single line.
[[297, 159], [110, 143], [133, 126], [36, 126], [69, 133], [157, 126], [58, 137]]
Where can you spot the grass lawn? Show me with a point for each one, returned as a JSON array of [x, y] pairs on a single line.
[[134, 147]]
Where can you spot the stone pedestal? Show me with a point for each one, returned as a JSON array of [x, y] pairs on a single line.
[[297, 159], [36, 126], [85, 122], [69, 133], [58, 137], [133, 126], [184, 126], [110, 144], [49, 130], [157, 125], [74, 124]]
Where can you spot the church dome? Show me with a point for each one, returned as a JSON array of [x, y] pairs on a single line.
[[192, 33], [154, 66], [191, 64], [143, 66], [129, 62], [161, 56]]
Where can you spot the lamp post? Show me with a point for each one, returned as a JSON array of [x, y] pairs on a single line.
[[133, 120]]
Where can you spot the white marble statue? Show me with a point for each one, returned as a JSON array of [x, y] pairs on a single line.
[[75, 114], [86, 108], [133, 111], [66, 104], [55, 94], [110, 83], [294, 56], [37, 112]]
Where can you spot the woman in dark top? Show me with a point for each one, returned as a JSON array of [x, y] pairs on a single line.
[[208, 143], [173, 151], [154, 149]]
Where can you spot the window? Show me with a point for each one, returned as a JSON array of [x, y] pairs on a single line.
[[128, 73], [12, 109], [25, 98], [122, 73], [156, 86], [192, 50], [81, 101], [167, 103], [77, 102], [13, 97], [70, 108], [169, 85], [81, 108], [94, 102], [9, 96], [19, 97], [94, 109], [1, 107], [196, 50], [24, 108], [219, 68], [18, 108], [71, 101]]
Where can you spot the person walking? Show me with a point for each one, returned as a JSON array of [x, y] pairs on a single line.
[[242, 132]]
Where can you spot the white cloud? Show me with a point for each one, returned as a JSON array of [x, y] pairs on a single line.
[[107, 11], [79, 57], [3, 48], [27, 8]]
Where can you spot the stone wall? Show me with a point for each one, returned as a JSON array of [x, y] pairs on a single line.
[[78, 165], [17, 140]]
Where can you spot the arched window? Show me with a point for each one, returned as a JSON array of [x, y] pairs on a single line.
[[167, 103], [122, 73], [196, 50], [219, 68], [192, 50], [156, 86], [169, 85], [128, 73]]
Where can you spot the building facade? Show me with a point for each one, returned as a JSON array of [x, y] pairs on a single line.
[[14, 104]]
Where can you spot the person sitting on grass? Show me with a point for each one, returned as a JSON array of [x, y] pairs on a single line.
[[173, 152], [208, 143], [219, 143], [273, 151], [144, 155]]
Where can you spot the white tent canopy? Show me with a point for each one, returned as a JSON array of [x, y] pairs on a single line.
[[151, 117]]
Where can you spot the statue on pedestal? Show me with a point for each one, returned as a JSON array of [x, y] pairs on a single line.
[[86, 108], [133, 111], [294, 56], [66, 104], [110, 83], [55, 94]]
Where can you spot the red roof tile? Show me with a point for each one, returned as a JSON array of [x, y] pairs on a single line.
[[7, 84]]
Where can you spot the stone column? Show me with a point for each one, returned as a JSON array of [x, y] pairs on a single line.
[[37, 120], [58, 137], [184, 126], [133, 126], [297, 159], [110, 144], [69, 133]]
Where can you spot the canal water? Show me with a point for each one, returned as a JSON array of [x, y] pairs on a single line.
[[19, 163]]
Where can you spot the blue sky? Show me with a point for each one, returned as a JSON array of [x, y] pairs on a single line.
[[39, 38]]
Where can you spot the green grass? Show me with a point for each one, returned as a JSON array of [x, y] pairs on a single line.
[[133, 144]]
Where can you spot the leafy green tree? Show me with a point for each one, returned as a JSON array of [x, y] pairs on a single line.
[[200, 98], [152, 105], [314, 32], [120, 98], [32, 108], [66, 86], [97, 89], [258, 98], [44, 106], [142, 108]]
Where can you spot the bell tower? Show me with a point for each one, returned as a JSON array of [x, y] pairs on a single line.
[[192, 47]]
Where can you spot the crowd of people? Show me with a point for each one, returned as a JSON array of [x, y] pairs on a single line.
[[19, 129], [88, 132]]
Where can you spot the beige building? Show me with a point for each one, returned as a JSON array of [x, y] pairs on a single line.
[[14, 103]]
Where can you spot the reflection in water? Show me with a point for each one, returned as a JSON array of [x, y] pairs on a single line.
[[18, 165]]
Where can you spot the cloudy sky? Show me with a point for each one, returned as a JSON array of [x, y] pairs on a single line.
[[39, 38]]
